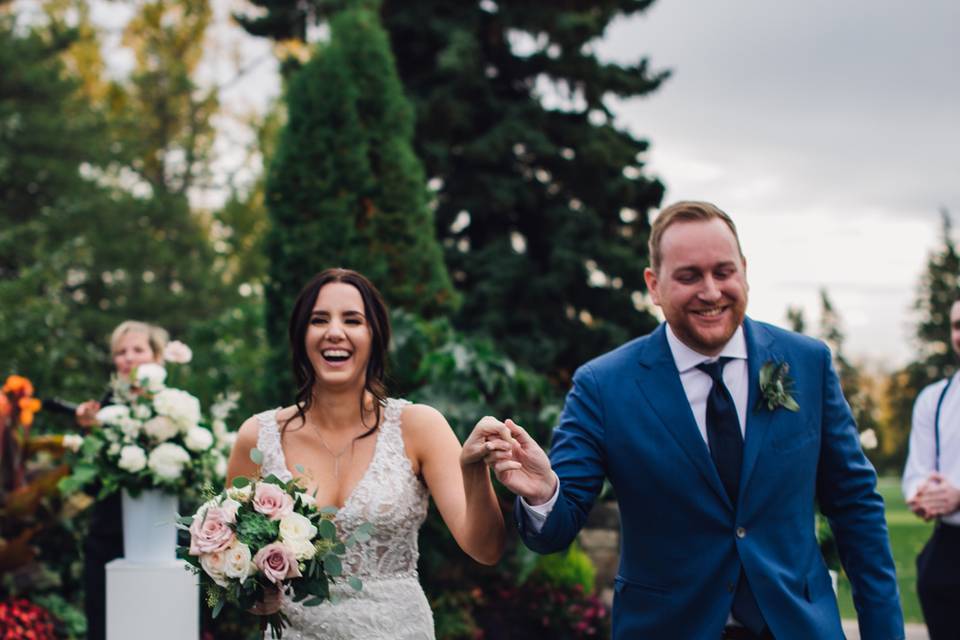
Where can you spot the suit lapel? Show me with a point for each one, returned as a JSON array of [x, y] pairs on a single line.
[[759, 352], [659, 382]]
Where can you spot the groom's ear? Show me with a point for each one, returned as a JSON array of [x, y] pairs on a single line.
[[650, 277]]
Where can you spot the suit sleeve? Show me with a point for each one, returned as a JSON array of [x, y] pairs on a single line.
[[848, 497], [577, 457]]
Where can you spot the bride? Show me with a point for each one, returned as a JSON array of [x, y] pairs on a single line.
[[377, 459]]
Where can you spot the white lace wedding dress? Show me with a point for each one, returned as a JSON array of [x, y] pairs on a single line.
[[391, 605]]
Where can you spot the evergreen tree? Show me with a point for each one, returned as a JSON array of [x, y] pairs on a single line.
[[938, 288], [345, 188], [542, 210]]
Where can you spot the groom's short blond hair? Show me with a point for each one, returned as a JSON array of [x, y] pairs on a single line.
[[685, 211]]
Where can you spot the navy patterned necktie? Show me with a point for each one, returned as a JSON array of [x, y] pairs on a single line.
[[723, 429], [726, 449]]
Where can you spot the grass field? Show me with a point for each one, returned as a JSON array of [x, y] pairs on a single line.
[[908, 534]]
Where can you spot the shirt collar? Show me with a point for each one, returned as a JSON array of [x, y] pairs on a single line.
[[686, 358]]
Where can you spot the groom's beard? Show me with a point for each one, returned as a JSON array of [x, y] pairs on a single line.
[[704, 332]]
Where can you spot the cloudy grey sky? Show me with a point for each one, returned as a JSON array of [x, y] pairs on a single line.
[[829, 130]]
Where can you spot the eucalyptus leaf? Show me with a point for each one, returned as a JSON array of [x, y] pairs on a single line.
[[240, 482], [354, 582], [332, 565], [328, 531]]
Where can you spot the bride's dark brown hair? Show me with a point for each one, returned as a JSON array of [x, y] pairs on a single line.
[[378, 320]]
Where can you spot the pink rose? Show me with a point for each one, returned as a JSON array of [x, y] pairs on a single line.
[[211, 532], [272, 501], [277, 563]]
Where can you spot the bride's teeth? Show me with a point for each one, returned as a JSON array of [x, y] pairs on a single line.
[[336, 353]]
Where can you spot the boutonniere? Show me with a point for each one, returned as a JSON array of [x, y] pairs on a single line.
[[775, 387]]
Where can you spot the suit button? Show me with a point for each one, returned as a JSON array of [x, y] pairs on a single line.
[[741, 532]]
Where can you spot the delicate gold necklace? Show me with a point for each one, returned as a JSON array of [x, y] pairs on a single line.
[[336, 456]]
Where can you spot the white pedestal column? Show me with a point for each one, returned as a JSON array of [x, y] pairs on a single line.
[[152, 601]]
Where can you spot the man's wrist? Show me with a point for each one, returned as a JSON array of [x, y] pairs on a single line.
[[552, 488]]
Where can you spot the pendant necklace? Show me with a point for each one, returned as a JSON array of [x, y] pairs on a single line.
[[336, 456]]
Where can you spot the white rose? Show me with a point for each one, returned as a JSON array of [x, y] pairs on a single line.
[[241, 494], [307, 499], [179, 406], [161, 428], [868, 439], [238, 563], [296, 527], [167, 460], [215, 564], [73, 442], [132, 458], [150, 377], [301, 549], [177, 352], [111, 413], [198, 439]]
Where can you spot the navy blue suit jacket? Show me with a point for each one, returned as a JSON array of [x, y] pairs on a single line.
[[627, 418]]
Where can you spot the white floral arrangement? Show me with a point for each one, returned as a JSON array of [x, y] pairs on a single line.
[[151, 437]]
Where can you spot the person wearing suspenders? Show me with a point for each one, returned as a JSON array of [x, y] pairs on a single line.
[[931, 485]]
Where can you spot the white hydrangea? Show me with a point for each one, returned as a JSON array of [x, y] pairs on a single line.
[[113, 449], [220, 467], [142, 411], [73, 442], [179, 406], [167, 461], [868, 439], [132, 458], [112, 413], [198, 439], [150, 377], [161, 428], [130, 427]]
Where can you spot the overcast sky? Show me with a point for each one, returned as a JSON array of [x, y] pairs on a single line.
[[828, 130]]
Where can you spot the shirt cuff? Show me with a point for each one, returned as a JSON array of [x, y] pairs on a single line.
[[536, 514]]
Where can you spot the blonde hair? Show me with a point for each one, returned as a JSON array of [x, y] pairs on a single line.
[[685, 211], [157, 337]]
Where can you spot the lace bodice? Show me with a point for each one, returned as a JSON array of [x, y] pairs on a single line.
[[389, 496]]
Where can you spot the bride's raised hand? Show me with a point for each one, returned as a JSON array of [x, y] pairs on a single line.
[[488, 437], [527, 471]]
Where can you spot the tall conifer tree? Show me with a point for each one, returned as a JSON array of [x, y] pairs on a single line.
[[345, 188]]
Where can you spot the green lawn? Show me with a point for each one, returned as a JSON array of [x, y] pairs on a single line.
[[908, 534]]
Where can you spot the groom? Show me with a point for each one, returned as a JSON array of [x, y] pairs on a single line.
[[719, 435]]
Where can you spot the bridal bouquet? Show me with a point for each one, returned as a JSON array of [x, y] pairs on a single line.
[[151, 437], [261, 534]]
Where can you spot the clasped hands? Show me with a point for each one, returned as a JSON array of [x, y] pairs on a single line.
[[519, 463], [935, 497]]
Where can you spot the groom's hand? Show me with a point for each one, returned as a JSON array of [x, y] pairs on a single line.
[[488, 436], [525, 469]]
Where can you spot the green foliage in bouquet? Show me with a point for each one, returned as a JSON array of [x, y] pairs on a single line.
[[267, 533]]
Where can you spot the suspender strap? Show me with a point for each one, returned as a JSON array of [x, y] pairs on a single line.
[[936, 424]]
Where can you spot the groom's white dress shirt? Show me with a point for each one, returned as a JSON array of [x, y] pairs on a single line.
[[921, 460]]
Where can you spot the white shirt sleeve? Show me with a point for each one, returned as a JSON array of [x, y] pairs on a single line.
[[922, 455], [536, 514]]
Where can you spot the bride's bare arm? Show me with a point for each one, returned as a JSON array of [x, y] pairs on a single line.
[[240, 463], [462, 490]]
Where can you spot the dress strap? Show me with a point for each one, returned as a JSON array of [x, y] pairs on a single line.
[[269, 444]]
